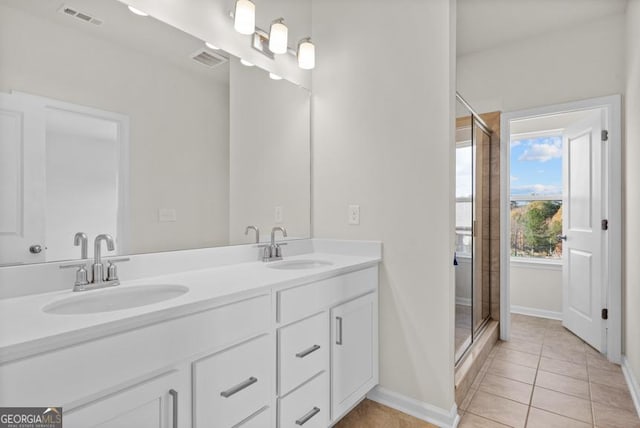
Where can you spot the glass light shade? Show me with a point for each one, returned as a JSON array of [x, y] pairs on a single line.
[[246, 63], [244, 18], [211, 46], [306, 55], [137, 11], [278, 36], [275, 76]]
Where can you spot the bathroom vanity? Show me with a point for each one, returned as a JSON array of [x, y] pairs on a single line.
[[249, 344]]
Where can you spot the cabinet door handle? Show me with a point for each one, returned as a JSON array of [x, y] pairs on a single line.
[[303, 420], [239, 387], [174, 396], [338, 330], [306, 352]]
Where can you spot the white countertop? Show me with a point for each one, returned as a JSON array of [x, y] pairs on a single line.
[[26, 330]]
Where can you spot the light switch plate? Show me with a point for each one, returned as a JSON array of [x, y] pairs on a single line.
[[354, 214], [166, 215], [277, 215]]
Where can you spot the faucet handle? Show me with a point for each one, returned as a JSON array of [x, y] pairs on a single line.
[[112, 269], [82, 277]]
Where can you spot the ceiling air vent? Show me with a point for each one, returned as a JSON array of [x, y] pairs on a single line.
[[81, 16], [208, 59]]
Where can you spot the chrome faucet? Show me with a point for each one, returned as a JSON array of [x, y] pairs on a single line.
[[256, 229], [81, 240], [97, 268], [273, 252]]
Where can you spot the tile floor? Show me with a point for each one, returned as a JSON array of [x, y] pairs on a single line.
[[545, 377]]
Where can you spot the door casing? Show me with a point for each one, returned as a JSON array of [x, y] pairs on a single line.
[[611, 106]]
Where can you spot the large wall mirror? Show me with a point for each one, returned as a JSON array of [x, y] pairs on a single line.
[[116, 123]]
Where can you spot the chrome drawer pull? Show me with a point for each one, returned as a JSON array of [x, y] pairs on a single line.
[[306, 352], [239, 387], [174, 396], [338, 330], [303, 420]]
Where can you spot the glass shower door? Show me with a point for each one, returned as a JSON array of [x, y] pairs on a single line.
[[464, 212], [472, 259]]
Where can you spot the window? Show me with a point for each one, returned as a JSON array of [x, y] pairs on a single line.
[[464, 200], [536, 196]]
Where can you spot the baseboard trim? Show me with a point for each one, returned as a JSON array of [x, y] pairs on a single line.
[[415, 408], [634, 386], [535, 312]]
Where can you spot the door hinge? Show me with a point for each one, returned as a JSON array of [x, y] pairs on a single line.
[[604, 224], [604, 135], [605, 314]]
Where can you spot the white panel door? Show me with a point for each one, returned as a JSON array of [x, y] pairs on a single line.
[[582, 214], [352, 365], [22, 180]]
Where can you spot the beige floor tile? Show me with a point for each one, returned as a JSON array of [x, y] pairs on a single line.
[[469, 420], [562, 404], [517, 357], [566, 353], [523, 346], [609, 417], [564, 384], [531, 338], [612, 397], [370, 414], [542, 419], [613, 378], [507, 388], [564, 339], [600, 362], [578, 371], [498, 409], [512, 371]]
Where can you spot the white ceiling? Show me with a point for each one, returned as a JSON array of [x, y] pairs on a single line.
[[485, 24]]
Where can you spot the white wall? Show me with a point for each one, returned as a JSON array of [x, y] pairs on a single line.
[[383, 121], [536, 288], [269, 155], [583, 61], [632, 191], [179, 123]]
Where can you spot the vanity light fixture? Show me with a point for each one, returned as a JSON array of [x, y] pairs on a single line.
[[306, 54], [244, 17], [278, 36], [246, 63], [211, 46], [274, 76], [137, 11]]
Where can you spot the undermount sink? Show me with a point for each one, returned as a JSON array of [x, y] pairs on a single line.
[[299, 264], [114, 299]]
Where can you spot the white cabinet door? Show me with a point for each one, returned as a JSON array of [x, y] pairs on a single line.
[[150, 404], [353, 366]]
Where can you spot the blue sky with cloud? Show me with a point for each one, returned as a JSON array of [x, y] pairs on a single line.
[[536, 166]]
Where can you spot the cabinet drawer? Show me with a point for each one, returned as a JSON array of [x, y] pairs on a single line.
[[261, 420], [303, 351], [307, 406], [231, 385], [298, 302]]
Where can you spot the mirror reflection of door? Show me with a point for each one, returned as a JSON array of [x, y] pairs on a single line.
[[63, 171]]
